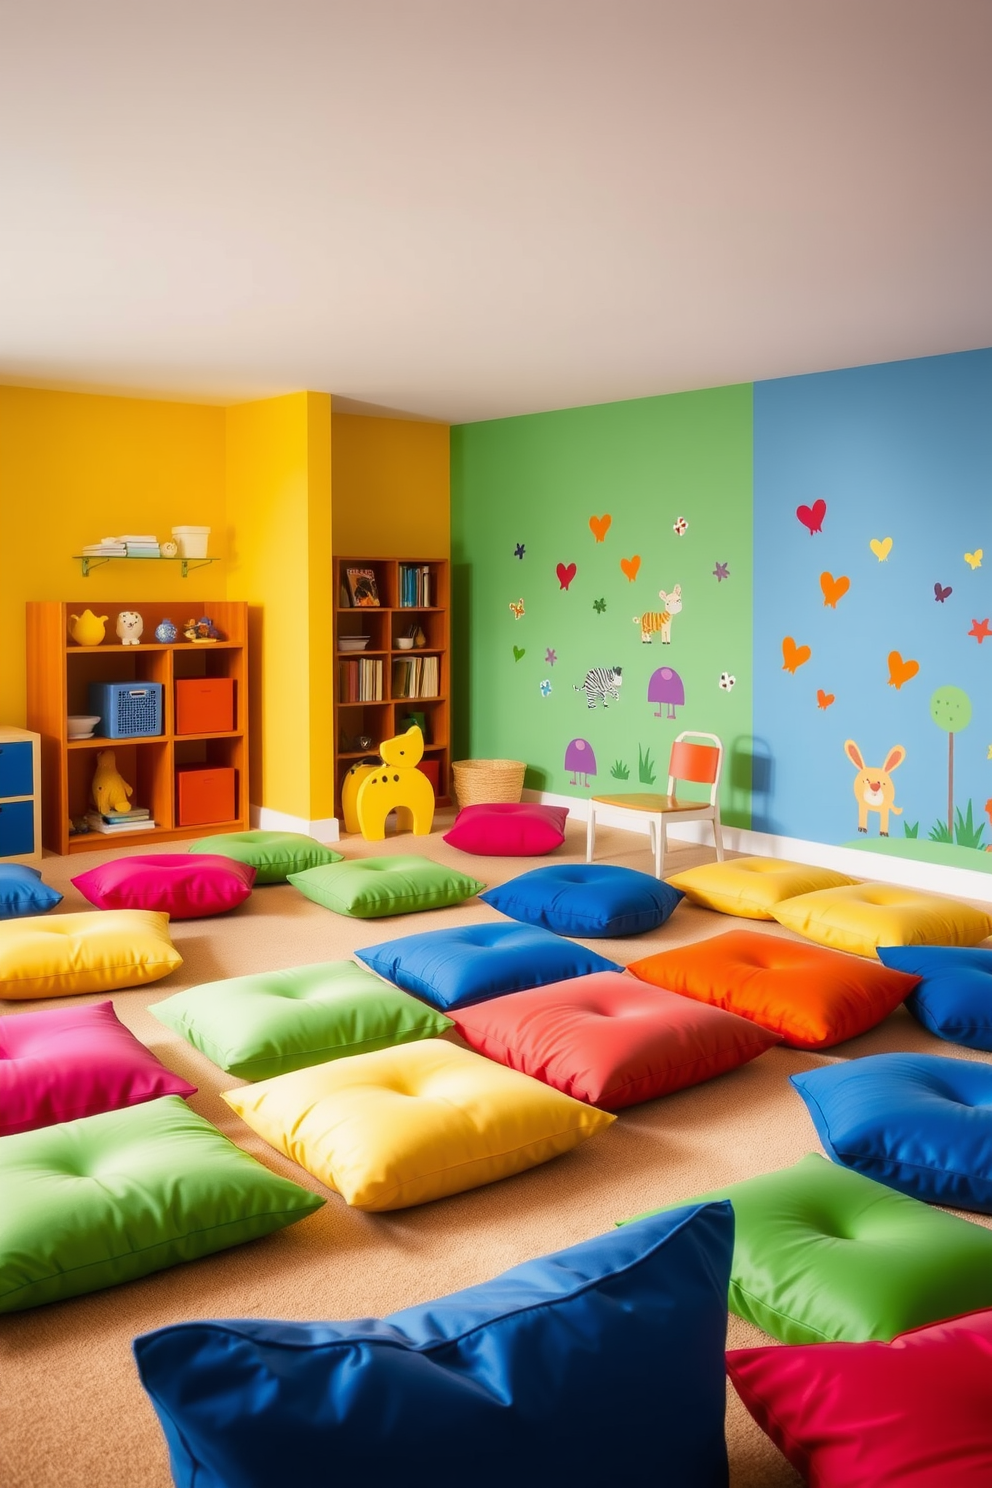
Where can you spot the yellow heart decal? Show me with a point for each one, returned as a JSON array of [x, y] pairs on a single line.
[[881, 547]]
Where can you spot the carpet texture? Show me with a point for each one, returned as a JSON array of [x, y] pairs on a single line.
[[72, 1413]]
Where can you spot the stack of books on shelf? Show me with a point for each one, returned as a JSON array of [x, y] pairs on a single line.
[[141, 545], [361, 681], [416, 677], [415, 587], [138, 819], [107, 547]]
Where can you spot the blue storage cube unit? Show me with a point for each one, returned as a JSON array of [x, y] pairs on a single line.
[[16, 770], [16, 828], [128, 710]]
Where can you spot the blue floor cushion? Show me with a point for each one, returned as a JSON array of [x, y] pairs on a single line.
[[954, 998], [22, 892], [586, 899], [921, 1123], [598, 1363], [454, 968]]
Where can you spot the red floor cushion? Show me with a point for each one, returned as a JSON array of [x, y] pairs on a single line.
[[913, 1413], [506, 829], [812, 997], [610, 1040], [181, 885]]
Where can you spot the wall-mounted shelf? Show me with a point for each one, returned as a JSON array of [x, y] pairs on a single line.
[[87, 561]]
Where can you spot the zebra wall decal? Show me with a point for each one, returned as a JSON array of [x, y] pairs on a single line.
[[599, 684], [660, 621]]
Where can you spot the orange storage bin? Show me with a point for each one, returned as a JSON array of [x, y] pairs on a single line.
[[204, 705], [205, 794]]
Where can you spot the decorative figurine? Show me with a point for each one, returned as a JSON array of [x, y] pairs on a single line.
[[165, 632], [109, 791], [88, 629], [169, 549], [129, 627], [201, 631]]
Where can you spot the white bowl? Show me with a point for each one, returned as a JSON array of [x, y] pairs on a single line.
[[81, 725], [404, 643], [353, 643]]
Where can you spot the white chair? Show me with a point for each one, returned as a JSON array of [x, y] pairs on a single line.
[[689, 762]]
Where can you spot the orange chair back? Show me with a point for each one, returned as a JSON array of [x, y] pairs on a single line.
[[697, 763]]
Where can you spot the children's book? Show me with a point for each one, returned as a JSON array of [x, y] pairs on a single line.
[[364, 590]]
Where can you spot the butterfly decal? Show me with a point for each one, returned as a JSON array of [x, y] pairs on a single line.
[[974, 560], [940, 594]]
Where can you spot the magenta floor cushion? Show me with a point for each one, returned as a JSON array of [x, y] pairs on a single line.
[[504, 829], [65, 1063], [182, 885]]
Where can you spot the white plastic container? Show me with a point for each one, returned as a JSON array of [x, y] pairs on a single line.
[[192, 541]]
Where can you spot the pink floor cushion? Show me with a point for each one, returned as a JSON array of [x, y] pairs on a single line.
[[65, 1063], [609, 1039], [505, 829], [182, 885]]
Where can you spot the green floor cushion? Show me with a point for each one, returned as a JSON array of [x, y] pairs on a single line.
[[276, 1021], [273, 855], [369, 888], [824, 1254], [108, 1198]]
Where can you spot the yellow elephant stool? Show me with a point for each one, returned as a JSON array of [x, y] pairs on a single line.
[[349, 794], [395, 785]]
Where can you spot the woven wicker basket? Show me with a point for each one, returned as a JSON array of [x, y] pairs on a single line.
[[478, 782]]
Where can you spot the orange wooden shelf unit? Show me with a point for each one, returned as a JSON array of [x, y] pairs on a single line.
[[59, 674], [385, 624]]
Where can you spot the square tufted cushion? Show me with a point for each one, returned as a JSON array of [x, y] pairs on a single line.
[[267, 1024], [182, 887], [540, 1376], [97, 951], [954, 995], [811, 997], [913, 1413], [750, 887], [417, 1122], [273, 855], [824, 1253], [609, 1039], [920, 1123], [22, 892], [506, 829], [369, 888], [586, 899], [64, 1063], [90, 1203], [865, 916], [453, 968]]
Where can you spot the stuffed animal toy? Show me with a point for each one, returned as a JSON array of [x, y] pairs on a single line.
[[129, 627], [109, 790]]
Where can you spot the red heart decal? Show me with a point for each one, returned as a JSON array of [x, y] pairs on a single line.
[[823, 699], [812, 516], [565, 574]]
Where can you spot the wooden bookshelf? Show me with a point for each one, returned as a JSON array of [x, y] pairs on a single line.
[[385, 624], [59, 674]]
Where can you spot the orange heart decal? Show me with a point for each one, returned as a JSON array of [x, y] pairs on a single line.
[[833, 589], [600, 526], [794, 656], [631, 567], [901, 671], [823, 699]]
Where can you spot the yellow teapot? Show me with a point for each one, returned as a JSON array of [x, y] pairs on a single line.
[[88, 629]]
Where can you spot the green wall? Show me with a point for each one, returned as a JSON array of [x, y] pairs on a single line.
[[536, 481]]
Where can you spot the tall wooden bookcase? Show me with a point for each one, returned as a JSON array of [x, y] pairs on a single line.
[[385, 624], [59, 674]]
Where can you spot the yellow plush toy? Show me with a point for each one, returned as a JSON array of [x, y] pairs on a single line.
[[109, 790], [396, 785]]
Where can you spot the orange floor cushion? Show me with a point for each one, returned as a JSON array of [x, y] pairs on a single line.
[[811, 997]]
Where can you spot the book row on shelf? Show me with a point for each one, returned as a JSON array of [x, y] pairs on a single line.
[[360, 681], [138, 819], [416, 587], [416, 678]]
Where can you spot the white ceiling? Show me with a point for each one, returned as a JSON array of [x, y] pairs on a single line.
[[463, 209]]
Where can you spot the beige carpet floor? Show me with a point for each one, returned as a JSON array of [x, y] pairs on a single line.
[[72, 1412]]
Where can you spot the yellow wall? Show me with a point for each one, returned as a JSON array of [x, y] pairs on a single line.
[[391, 487], [75, 468], [279, 515]]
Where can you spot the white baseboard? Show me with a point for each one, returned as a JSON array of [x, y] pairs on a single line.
[[264, 819], [962, 883]]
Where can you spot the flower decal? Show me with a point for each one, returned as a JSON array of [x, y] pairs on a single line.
[[545, 688], [519, 550], [727, 681], [551, 656], [722, 571], [680, 527], [599, 605]]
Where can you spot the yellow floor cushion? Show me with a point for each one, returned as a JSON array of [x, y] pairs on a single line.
[[867, 915], [417, 1122], [751, 887], [99, 951]]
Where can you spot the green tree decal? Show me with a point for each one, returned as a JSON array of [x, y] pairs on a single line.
[[950, 709]]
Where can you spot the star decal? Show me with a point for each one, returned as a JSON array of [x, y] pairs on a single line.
[[519, 550], [599, 605], [722, 571], [980, 629], [550, 656]]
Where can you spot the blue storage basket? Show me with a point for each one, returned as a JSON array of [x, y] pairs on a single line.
[[127, 709]]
